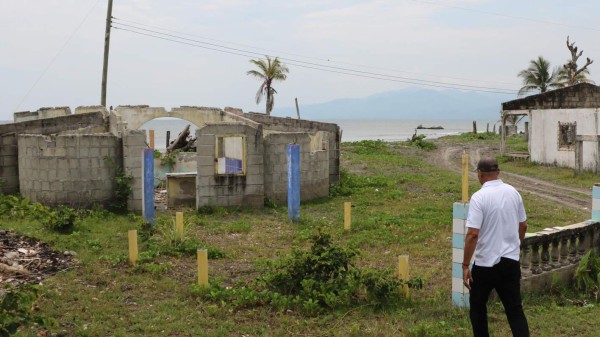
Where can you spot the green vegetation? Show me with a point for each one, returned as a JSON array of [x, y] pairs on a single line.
[[16, 310], [401, 205]]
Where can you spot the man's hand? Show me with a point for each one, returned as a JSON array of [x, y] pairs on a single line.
[[467, 278]]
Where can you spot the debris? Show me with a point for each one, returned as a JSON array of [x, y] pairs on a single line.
[[183, 141], [26, 260]]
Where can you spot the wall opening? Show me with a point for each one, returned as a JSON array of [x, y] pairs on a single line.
[[566, 136], [231, 155], [163, 124]]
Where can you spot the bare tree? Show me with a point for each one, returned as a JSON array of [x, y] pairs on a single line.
[[572, 75]]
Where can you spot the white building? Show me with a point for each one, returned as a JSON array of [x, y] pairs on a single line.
[[564, 126]]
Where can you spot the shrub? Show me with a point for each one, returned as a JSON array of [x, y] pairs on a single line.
[[16, 310], [587, 275], [312, 281], [419, 141], [61, 219]]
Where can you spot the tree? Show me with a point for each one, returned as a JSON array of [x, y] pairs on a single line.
[[570, 75], [538, 77], [269, 71]]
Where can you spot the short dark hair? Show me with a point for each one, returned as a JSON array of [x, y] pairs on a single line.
[[488, 165]]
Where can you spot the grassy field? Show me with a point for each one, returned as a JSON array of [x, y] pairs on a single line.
[[401, 205]]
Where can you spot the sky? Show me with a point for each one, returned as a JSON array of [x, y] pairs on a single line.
[[52, 50]]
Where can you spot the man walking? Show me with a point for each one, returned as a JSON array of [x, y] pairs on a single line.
[[496, 226]]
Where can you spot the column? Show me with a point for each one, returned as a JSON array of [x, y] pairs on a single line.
[[460, 294]]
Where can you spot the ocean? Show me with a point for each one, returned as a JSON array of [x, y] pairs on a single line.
[[352, 130]]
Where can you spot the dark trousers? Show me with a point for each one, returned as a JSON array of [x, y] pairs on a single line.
[[505, 277]]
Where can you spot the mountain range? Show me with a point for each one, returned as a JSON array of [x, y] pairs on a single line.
[[410, 103]]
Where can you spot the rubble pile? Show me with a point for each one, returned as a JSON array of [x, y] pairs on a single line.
[[26, 260]]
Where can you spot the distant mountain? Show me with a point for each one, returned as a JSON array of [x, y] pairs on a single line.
[[412, 103]]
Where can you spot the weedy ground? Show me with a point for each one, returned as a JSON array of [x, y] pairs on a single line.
[[400, 205]]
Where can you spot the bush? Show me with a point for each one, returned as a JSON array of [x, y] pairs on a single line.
[[61, 219], [312, 281], [16, 310], [419, 141], [587, 275]]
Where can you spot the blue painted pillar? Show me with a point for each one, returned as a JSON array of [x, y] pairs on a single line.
[[148, 185], [293, 160]]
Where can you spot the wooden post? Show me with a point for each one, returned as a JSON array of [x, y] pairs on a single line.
[[168, 139], [297, 108], [474, 127], [403, 273], [487, 128], [179, 225], [151, 136], [347, 215], [202, 267], [465, 177], [106, 52], [133, 247]]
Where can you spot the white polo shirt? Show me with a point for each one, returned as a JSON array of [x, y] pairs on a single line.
[[496, 210]]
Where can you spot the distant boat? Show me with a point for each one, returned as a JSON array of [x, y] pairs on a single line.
[[430, 127]]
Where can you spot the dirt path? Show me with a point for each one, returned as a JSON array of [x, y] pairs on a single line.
[[449, 156]]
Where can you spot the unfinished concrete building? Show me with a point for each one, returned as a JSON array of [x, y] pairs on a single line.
[[55, 157]]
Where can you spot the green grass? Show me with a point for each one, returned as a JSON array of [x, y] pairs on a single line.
[[401, 205]]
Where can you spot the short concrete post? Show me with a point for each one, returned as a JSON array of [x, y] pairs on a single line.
[[133, 246], [596, 202], [465, 177], [460, 294], [403, 274], [347, 215], [179, 225], [203, 267]]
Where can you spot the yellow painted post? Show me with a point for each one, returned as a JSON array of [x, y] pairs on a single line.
[[465, 177], [403, 273], [133, 247], [151, 139], [347, 215], [202, 267], [179, 225]]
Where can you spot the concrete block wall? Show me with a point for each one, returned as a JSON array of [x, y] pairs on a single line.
[[229, 190], [314, 168], [42, 113], [134, 142], [283, 124], [9, 164], [58, 124], [68, 169]]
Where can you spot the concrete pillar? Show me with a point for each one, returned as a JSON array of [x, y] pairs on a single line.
[[578, 156], [293, 166], [460, 294]]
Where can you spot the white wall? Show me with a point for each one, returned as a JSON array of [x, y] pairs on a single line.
[[544, 136]]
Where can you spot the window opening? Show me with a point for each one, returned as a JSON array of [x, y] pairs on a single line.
[[566, 135], [231, 155]]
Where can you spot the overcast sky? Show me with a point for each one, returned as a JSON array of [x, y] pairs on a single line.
[[469, 42]]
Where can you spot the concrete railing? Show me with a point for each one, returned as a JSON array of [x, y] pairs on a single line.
[[554, 253]]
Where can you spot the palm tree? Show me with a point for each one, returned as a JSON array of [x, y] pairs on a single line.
[[538, 77], [269, 71]]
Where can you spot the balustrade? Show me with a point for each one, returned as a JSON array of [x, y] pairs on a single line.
[[557, 247]]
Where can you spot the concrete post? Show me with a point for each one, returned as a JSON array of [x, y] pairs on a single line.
[[293, 160], [148, 185], [460, 294], [527, 131]]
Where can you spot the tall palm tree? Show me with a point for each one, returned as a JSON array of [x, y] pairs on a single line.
[[269, 71], [538, 77]]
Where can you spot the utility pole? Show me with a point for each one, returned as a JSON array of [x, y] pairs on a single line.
[[106, 47]]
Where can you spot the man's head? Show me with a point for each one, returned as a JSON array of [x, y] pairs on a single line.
[[487, 169]]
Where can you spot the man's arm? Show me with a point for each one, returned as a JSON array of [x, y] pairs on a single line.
[[470, 244], [522, 230]]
